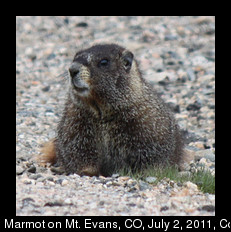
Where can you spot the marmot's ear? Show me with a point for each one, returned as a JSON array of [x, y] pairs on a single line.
[[127, 58]]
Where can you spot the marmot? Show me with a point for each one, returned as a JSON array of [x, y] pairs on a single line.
[[112, 118]]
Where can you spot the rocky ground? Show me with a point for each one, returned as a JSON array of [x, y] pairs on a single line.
[[176, 54]]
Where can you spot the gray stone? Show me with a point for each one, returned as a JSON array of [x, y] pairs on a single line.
[[151, 179]]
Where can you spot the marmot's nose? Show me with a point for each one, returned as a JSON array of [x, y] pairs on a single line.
[[74, 69]]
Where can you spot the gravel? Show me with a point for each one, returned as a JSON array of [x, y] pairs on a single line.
[[176, 54]]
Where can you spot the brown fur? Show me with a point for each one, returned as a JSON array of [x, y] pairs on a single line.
[[48, 153]]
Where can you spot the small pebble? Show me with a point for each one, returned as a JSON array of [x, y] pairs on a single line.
[[32, 169], [64, 182], [151, 179], [209, 208], [191, 185], [35, 176], [19, 170]]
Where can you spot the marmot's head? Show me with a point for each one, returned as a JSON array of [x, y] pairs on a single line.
[[104, 73]]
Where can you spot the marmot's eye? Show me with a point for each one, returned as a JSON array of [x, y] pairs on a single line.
[[103, 63]]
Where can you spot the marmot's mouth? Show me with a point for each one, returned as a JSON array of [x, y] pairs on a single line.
[[81, 89], [80, 86]]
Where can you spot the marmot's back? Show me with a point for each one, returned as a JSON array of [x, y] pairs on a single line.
[[113, 118]]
